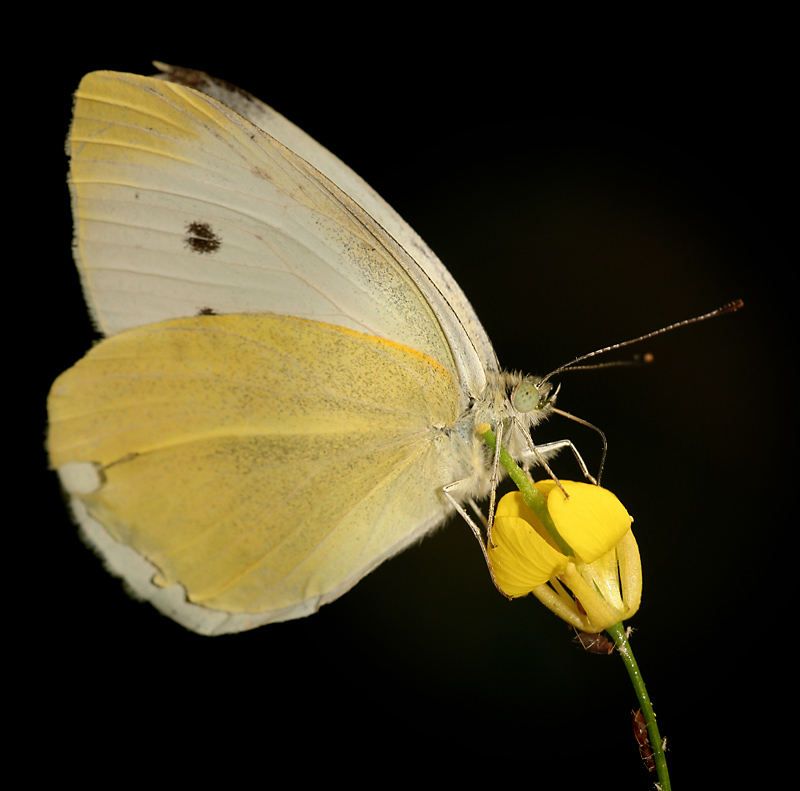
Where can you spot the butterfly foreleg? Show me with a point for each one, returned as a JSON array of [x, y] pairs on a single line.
[[539, 453]]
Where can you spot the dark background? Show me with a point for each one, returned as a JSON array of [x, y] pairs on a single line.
[[571, 219]]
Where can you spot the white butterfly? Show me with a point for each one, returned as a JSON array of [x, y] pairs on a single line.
[[290, 382]]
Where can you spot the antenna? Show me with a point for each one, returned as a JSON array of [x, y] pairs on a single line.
[[729, 308]]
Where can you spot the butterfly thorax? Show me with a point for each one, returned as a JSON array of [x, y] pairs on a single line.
[[515, 401]]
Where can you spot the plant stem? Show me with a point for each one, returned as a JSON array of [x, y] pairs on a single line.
[[530, 494], [617, 632]]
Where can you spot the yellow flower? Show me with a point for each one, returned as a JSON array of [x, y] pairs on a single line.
[[603, 570]]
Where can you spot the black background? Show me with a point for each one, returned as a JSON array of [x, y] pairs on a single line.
[[574, 214]]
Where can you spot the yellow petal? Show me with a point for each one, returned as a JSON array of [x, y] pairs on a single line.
[[592, 521], [521, 558], [630, 573], [600, 613]]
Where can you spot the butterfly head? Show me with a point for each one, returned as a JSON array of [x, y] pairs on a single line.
[[532, 394]]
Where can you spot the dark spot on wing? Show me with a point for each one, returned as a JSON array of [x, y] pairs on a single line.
[[207, 312], [201, 239]]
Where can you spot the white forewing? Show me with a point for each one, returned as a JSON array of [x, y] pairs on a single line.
[[182, 206], [296, 140]]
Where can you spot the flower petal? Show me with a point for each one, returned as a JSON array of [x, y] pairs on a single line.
[[600, 613], [630, 573], [592, 521], [521, 558]]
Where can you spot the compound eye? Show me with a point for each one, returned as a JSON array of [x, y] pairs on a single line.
[[525, 396]]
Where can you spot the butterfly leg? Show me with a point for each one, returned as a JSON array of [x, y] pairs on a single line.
[[538, 454], [541, 451], [476, 531], [493, 483], [477, 511]]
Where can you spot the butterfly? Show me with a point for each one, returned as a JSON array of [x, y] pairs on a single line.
[[289, 384]]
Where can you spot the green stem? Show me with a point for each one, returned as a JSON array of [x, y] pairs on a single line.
[[530, 494], [617, 631]]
